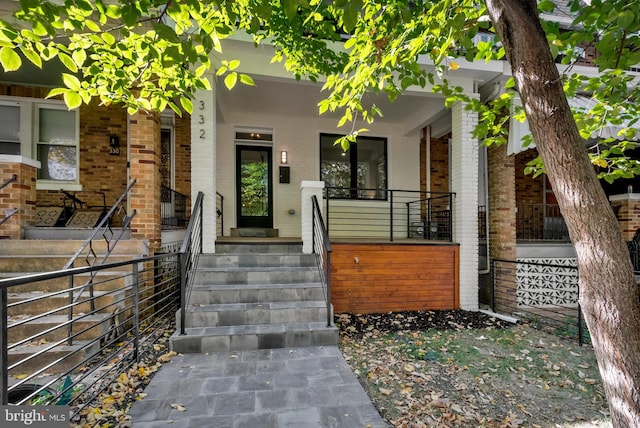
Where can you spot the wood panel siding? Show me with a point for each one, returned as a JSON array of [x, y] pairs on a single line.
[[391, 277]]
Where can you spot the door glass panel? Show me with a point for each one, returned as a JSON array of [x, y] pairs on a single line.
[[254, 193]]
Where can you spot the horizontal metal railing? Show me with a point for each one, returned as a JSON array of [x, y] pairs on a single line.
[[322, 251], [173, 208], [135, 302], [388, 214], [540, 222], [544, 295]]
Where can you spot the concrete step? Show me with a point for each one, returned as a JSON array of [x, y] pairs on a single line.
[[66, 357], [91, 326], [104, 280], [69, 247], [255, 313], [256, 293], [46, 263], [260, 275], [45, 302], [256, 260], [262, 246], [263, 336]]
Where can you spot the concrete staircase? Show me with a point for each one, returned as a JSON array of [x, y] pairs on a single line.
[[24, 257], [255, 296]]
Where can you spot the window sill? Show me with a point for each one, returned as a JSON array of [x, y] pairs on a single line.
[[57, 185]]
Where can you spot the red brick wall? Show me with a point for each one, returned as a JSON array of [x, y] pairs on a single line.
[[20, 194], [183, 157], [144, 130], [529, 190], [439, 168]]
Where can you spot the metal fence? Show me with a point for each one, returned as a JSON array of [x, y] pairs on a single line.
[[50, 359], [544, 295], [322, 251], [173, 208], [540, 222], [388, 214]]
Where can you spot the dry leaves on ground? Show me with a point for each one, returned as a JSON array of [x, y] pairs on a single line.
[[462, 369]]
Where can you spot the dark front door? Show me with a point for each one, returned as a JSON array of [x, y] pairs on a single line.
[[254, 186]]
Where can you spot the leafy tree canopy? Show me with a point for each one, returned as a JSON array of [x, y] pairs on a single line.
[[153, 54]]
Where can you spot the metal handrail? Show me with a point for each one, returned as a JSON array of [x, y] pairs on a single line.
[[8, 214], [189, 254], [176, 215], [322, 250], [220, 214], [91, 258], [13, 178], [145, 310], [388, 213]]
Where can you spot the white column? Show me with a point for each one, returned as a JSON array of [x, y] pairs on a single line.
[[464, 183], [308, 189], [203, 161]]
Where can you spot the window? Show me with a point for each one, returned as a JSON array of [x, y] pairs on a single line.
[[57, 143], [10, 129], [358, 173]]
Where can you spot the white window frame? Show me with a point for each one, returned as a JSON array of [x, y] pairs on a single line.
[[29, 130], [44, 184]]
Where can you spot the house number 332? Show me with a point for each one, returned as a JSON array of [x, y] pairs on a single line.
[[201, 109]]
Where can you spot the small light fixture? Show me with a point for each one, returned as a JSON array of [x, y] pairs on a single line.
[[284, 157]]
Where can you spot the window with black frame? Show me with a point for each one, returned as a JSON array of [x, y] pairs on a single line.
[[358, 173]]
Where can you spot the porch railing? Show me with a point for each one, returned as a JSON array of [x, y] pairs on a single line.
[[322, 251], [220, 214], [173, 211], [389, 214], [11, 211], [189, 254], [88, 253], [540, 222], [545, 295], [132, 313]]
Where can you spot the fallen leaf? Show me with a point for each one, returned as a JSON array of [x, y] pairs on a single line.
[[178, 407]]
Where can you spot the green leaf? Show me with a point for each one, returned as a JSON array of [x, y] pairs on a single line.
[[290, 8], [79, 56], [9, 59], [186, 104], [72, 99], [247, 80], [68, 62], [230, 80], [71, 82], [32, 56]]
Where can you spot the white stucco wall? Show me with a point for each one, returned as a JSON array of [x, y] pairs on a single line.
[[299, 136]]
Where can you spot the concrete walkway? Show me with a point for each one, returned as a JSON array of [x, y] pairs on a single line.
[[268, 388]]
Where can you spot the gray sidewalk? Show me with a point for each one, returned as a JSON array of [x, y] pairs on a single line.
[[267, 388]]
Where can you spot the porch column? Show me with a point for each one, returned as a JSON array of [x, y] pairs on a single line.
[[308, 189], [203, 161], [502, 222], [144, 134], [20, 194], [464, 183]]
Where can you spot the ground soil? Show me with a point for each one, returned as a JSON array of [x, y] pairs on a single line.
[[467, 369]]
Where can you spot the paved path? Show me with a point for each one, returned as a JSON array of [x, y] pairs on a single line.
[[269, 388]]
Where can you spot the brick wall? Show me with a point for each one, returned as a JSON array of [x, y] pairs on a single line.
[[183, 157], [144, 131], [627, 209], [502, 214], [19, 194], [439, 168]]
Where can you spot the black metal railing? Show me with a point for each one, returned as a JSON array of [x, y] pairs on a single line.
[[11, 211], [544, 295], [173, 208], [482, 222], [8, 181], [220, 214], [108, 235], [322, 251], [136, 303], [540, 222], [189, 253], [389, 214]]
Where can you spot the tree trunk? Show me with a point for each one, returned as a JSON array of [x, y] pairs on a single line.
[[609, 296]]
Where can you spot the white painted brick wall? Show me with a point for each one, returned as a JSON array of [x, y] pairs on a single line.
[[203, 161], [464, 182]]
